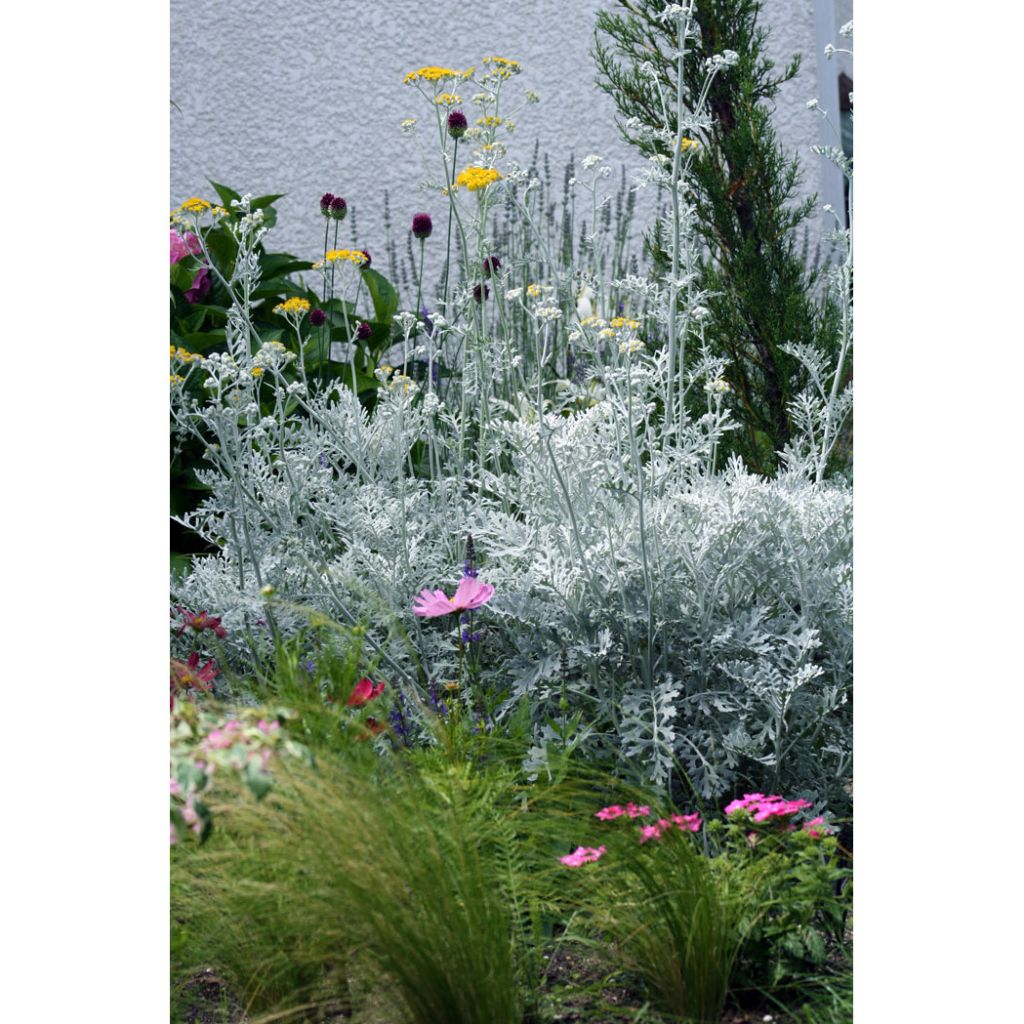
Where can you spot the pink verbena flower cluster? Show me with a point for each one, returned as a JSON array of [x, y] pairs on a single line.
[[683, 822], [582, 855], [615, 811], [761, 808]]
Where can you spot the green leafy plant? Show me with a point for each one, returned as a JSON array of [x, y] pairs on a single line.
[[760, 290]]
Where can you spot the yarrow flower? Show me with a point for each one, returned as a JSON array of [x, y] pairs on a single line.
[[422, 225], [434, 74], [363, 692], [469, 595], [689, 144], [447, 99], [582, 855], [355, 256], [475, 178], [457, 124], [295, 305], [196, 205]]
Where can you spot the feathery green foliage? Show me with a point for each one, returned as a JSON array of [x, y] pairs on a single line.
[[761, 293]]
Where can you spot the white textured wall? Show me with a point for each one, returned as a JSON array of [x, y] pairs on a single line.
[[305, 97]]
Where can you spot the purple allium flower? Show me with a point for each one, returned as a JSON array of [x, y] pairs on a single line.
[[457, 124], [366, 265], [491, 265], [317, 317], [481, 292], [363, 331], [325, 203], [338, 208], [422, 225]]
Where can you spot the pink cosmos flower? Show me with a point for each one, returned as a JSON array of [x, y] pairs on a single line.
[[363, 692], [182, 247], [469, 595], [582, 855], [610, 813]]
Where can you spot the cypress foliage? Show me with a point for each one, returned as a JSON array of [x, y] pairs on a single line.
[[762, 289]]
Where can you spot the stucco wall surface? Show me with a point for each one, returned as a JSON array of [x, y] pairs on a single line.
[[306, 97]]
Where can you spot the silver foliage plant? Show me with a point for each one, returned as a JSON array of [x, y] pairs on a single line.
[[696, 617]]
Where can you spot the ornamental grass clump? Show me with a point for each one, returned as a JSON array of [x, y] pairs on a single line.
[[415, 872]]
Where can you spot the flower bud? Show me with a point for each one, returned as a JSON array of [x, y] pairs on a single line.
[[457, 124], [325, 203], [338, 208], [317, 317], [422, 225]]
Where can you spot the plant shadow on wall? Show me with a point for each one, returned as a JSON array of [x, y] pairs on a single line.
[[634, 580]]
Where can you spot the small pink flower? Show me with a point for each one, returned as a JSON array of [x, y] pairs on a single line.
[[176, 787], [610, 813], [269, 728], [816, 828], [637, 812], [651, 832], [582, 855], [469, 595], [747, 801], [687, 822], [363, 692]]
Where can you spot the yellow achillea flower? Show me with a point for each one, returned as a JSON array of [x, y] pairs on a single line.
[[622, 321], [475, 178], [447, 99], [184, 355], [688, 144], [196, 205], [176, 380], [533, 290], [502, 67], [293, 305], [336, 255], [257, 371], [489, 121], [435, 74]]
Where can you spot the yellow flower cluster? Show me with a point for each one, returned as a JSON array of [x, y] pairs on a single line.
[[435, 74], [294, 305], [629, 347], [257, 371], [447, 99], [176, 380], [184, 356], [195, 205], [502, 67], [489, 121], [621, 321], [335, 255], [688, 144], [592, 321], [475, 178]]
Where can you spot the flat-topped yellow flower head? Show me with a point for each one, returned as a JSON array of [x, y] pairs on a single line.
[[433, 73], [475, 178]]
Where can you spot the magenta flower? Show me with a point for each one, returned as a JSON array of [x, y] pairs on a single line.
[[816, 828], [200, 622], [746, 802], [582, 855], [637, 812], [687, 822], [363, 692], [469, 595], [182, 247], [610, 813], [201, 287]]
